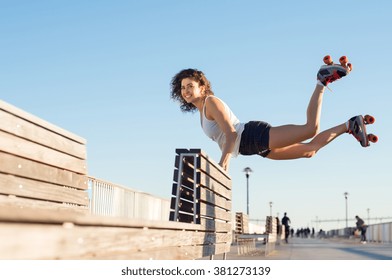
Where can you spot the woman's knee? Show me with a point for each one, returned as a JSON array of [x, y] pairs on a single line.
[[312, 130]]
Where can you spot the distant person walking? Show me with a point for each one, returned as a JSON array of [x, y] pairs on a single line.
[[362, 228], [286, 222]]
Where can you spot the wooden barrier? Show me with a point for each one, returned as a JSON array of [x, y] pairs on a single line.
[[241, 223], [41, 165], [246, 242], [202, 195], [43, 202]]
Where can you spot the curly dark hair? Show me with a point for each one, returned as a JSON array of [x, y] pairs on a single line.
[[197, 76]]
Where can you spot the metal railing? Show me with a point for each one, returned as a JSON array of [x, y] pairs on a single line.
[[380, 233], [108, 199]]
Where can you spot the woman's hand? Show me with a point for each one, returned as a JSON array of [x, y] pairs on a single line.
[[225, 161]]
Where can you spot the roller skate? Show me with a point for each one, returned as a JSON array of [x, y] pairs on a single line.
[[331, 72], [356, 127]]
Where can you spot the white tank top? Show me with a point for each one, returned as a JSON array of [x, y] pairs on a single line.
[[212, 130]]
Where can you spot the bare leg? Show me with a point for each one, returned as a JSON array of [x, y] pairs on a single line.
[[286, 135], [301, 150]]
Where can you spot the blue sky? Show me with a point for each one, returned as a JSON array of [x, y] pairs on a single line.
[[102, 70]]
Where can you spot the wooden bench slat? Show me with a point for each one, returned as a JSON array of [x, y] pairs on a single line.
[[215, 225], [14, 165], [184, 205], [57, 216], [21, 147], [176, 253], [214, 186], [215, 199], [205, 195], [206, 181], [212, 211], [18, 186], [40, 122], [185, 192], [12, 205], [74, 242], [184, 217], [30, 131], [206, 165]]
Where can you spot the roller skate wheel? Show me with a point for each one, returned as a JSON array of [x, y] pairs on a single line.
[[327, 60], [343, 60], [369, 119], [372, 138]]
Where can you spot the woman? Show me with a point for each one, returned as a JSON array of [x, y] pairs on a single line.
[[193, 91]]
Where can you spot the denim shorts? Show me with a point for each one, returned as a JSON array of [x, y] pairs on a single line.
[[255, 139]]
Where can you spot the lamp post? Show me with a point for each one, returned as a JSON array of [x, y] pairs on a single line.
[[247, 171], [345, 196], [368, 211], [270, 204]]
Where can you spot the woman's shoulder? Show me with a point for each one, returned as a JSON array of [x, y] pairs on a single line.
[[213, 100], [213, 106]]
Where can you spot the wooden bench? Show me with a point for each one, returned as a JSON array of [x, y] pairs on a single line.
[[202, 196], [241, 223], [41, 166], [44, 204], [246, 242]]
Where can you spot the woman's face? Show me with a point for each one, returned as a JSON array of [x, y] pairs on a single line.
[[191, 91]]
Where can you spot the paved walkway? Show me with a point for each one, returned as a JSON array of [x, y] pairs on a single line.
[[319, 249]]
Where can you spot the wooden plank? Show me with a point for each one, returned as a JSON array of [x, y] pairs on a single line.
[[14, 213], [214, 185], [202, 210], [212, 198], [203, 194], [180, 253], [188, 164], [205, 181], [22, 187], [213, 169], [30, 131], [215, 164], [184, 217], [11, 207], [33, 119], [215, 225], [212, 211], [214, 173], [14, 145], [205, 164], [68, 241], [21, 167], [186, 180], [184, 192], [183, 205], [242, 223]]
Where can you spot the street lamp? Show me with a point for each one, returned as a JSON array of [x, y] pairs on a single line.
[[345, 196], [247, 171], [270, 203], [368, 211]]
